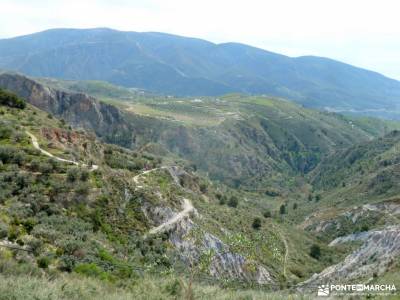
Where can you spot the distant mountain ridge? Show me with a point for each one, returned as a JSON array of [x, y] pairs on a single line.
[[178, 65]]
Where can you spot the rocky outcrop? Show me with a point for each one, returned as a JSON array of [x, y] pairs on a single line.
[[79, 110], [386, 212], [379, 250], [192, 243]]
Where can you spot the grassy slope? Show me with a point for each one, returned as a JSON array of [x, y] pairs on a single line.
[[92, 208], [266, 244]]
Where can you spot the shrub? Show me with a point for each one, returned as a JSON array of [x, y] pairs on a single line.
[[3, 230], [11, 100], [18, 137], [282, 209], [72, 174], [267, 214], [82, 189], [43, 262], [233, 201], [272, 193], [91, 270], [67, 263], [174, 288], [256, 223], [45, 168], [203, 188], [5, 131], [13, 233], [29, 224], [9, 154], [35, 245], [222, 200], [315, 251], [294, 206], [84, 175]]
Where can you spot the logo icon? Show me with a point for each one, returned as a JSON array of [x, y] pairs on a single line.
[[359, 287], [323, 290]]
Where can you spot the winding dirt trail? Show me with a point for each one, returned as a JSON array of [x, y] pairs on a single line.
[[187, 208], [35, 144], [136, 178]]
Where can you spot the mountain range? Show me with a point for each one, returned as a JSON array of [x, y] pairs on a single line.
[[176, 65]]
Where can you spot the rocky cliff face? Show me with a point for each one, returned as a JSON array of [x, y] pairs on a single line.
[[79, 110], [379, 250]]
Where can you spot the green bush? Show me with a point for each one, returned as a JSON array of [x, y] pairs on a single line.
[[13, 233], [272, 193], [5, 131], [9, 154], [267, 214], [174, 288], [84, 175], [203, 188], [29, 224], [3, 230], [11, 100], [35, 245], [91, 270], [233, 201], [82, 189], [315, 251], [282, 209], [45, 168], [43, 262], [67, 263], [256, 223], [72, 174]]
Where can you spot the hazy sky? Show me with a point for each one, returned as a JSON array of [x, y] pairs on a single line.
[[365, 33]]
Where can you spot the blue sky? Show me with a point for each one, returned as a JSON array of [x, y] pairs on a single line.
[[363, 33]]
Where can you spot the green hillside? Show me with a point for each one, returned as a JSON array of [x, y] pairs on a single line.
[[93, 218], [220, 194]]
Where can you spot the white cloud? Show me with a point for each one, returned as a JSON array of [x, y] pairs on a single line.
[[363, 33]]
